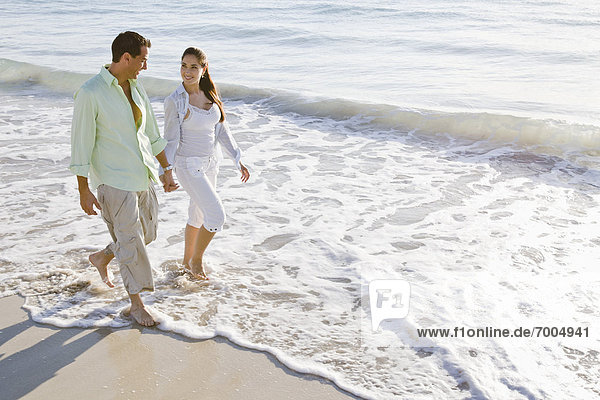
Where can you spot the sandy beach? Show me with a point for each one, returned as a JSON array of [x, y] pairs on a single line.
[[43, 362]]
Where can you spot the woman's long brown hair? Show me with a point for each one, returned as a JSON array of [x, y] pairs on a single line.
[[206, 83]]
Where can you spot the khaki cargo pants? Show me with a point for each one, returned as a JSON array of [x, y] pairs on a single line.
[[132, 220]]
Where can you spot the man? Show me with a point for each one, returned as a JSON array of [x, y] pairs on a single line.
[[114, 138]]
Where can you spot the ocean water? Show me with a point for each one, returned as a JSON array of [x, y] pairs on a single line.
[[452, 145]]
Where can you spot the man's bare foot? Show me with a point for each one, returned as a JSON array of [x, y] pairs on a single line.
[[100, 260], [140, 315], [196, 269]]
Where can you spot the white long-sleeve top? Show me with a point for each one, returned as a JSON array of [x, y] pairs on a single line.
[[187, 140]]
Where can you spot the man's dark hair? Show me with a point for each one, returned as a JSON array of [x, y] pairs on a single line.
[[128, 42]]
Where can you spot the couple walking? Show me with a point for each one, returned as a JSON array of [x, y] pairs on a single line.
[[114, 141]]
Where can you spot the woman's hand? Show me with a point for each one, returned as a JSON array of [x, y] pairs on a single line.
[[168, 182], [245, 173]]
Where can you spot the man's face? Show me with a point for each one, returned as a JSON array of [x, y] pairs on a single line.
[[136, 64]]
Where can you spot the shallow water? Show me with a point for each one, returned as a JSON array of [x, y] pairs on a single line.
[[486, 236]]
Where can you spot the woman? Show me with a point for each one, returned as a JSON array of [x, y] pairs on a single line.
[[194, 127]]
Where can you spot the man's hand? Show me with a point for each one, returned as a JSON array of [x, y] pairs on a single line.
[[168, 182], [87, 200]]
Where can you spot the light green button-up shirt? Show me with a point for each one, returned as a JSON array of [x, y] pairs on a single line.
[[105, 142]]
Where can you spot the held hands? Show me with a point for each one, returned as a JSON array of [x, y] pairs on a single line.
[[87, 200], [245, 173], [168, 182]]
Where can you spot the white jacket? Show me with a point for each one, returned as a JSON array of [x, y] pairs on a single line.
[[176, 108]]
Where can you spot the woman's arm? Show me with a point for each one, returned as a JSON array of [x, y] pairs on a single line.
[[229, 144]]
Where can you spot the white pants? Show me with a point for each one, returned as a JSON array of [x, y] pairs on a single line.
[[198, 177]]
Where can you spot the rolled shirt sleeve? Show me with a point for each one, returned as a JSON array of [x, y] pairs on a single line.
[[83, 132], [228, 143], [158, 145]]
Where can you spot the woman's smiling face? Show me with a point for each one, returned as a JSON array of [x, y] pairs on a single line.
[[191, 70]]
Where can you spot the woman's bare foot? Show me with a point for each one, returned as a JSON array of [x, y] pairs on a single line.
[[100, 260], [140, 315], [196, 269]]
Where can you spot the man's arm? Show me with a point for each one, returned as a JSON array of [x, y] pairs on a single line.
[[83, 139], [87, 200], [172, 129], [158, 143], [167, 177]]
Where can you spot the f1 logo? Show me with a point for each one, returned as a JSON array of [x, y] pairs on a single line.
[[389, 299]]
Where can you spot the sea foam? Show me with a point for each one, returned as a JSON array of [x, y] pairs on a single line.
[[487, 235], [544, 136]]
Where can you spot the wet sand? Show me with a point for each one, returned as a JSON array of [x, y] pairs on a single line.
[[44, 362]]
